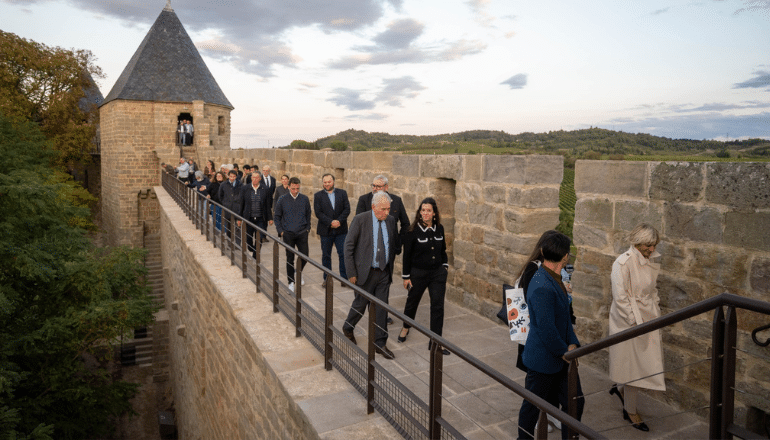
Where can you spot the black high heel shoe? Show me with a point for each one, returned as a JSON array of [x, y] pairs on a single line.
[[403, 338], [614, 390], [640, 426], [444, 351]]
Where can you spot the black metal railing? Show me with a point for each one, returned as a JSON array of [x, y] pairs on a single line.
[[412, 416], [723, 354]]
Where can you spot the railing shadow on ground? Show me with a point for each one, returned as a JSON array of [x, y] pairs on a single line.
[[410, 415]]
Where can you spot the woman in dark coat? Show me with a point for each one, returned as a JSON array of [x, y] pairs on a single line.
[[425, 266], [214, 196], [551, 334]]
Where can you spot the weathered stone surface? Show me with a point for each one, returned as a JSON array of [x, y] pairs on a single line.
[[588, 237], [744, 186], [719, 266], [461, 211], [485, 215], [611, 177], [693, 223], [590, 285], [472, 167], [463, 249], [539, 197], [759, 277], [677, 293], [406, 165], [749, 230], [630, 213], [594, 263], [447, 166], [673, 257], [494, 194], [470, 192], [511, 243], [677, 181], [544, 170], [523, 221], [594, 212], [505, 169]]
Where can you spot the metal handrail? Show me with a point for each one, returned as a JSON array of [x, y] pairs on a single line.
[[189, 203], [723, 358]]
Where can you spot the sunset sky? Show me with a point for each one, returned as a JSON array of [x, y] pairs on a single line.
[[305, 69]]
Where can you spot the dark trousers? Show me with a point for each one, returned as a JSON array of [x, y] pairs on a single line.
[[298, 241], [329, 241], [552, 388], [378, 284], [435, 281], [250, 231]]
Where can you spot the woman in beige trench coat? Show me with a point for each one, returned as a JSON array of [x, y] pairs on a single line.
[[637, 363]]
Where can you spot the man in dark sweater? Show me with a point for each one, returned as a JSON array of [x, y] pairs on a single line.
[[292, 222], [255, 208]]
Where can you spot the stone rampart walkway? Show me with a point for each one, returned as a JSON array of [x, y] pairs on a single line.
[[477, 406]]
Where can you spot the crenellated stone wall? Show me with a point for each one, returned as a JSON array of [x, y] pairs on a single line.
[[714, 220], [493, 208]]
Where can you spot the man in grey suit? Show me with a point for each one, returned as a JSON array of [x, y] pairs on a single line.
[[370, 249]]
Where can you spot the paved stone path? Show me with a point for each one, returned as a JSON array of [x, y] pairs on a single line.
[[475, 405]]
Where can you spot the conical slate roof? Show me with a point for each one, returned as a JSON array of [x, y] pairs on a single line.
[[167, 67]]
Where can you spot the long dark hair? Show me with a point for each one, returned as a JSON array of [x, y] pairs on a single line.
[[418, 218], [552, 246]]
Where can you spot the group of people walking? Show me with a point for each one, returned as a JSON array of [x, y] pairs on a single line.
[[381, 229]]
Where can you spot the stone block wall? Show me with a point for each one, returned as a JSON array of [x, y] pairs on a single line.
[[493, 208], [223, 385], [714, 220]]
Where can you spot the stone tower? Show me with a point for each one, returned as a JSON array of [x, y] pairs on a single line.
[[166, 81]]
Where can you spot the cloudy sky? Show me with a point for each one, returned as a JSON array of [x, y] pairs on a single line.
[[305, 69]]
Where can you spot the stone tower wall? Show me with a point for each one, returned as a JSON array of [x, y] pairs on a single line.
[[136, 137], [714, 220]]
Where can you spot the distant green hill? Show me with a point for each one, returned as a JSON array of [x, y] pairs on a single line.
[[589, 143]]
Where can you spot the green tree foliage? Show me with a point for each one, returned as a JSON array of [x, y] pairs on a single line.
[[48, 86], [337, 145], [302, 145], [63, 302]]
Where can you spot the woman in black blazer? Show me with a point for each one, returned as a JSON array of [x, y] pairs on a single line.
[[425, 266]]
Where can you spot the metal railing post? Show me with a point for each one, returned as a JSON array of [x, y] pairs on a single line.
[[572, 386], [728, 371], [370, 358], [329, 322], [298, 297], [275, 277], [258, 267], [244, 247], [232, 239], [434, 393], [717, 367]]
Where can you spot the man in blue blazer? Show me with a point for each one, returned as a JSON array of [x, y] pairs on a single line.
[[332, 208], [551, 335], [369, 255]]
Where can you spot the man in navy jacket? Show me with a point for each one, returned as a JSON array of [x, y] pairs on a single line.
[[332, 208]]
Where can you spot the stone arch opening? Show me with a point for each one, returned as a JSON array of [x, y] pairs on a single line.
[[182, 135]]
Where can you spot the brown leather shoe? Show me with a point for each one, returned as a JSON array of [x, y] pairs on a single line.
[[349, 334], [385, 352]]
